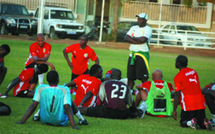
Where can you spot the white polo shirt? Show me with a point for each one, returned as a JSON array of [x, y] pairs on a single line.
[[136, 31]]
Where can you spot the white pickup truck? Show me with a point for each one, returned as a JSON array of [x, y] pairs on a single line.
[[60, 22]]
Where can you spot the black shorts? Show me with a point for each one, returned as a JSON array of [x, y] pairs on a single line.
[[35, 78], [22, 93], [100, 111], [188, 115], [75, 75], [138, 70]]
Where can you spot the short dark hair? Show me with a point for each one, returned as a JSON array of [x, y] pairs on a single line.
[[85, 36], [6, 47], [183, 60], [52, 77], [94, 69], [43, 67], [116, 74]]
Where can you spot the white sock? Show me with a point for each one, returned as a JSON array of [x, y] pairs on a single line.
[[143, 106], [79, 116], [41, 77], [213, 117], [37, 113], [188, 123]]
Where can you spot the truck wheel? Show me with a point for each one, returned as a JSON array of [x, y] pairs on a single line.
[[3, 29], [52, 33]]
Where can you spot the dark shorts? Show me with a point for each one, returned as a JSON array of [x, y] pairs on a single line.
[[22, 93], [188, 115], [35, 78], [75, 75], [100, 111], [138, 70]]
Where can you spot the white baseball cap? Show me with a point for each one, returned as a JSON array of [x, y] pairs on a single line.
[[142, 16]]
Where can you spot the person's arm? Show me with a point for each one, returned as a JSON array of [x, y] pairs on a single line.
[[67, 59], [176, 102], [140, 40], [71, 83], [51, 65], [29, 112], [86, 98], [42, 59], [97, 61], [69, 113], [135, 40], [207, 87], [12, 84]]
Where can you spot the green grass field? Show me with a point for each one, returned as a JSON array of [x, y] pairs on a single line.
[[109, 58]]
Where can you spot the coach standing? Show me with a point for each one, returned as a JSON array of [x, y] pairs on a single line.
[[138, 63]]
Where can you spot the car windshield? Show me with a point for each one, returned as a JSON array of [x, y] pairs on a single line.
[[55, 14], [186, 28], [14, 9]]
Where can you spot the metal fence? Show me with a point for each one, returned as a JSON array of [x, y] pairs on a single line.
[[188, 39], [170, 12], [33, 4]]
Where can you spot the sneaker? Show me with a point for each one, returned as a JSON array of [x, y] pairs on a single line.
[[212, 122], [83, 122], [207, 124], [194, 124], [36, 118], [141, 113]]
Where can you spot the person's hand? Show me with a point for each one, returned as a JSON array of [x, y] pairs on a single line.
[[32, 59], [75, 127], [52, 66], [175, 115]]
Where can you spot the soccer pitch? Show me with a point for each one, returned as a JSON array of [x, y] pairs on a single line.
[[109, 58]]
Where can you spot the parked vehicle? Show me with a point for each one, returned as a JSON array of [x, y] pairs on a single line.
[[123, 28], [60, 22], [177, 32], [95, 30], [16, 20]]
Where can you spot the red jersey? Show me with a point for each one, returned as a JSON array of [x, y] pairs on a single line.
[[158, 83], [1, 59], [80, 57], [36, 50], [86, 83], [26, 76], [187, 81]]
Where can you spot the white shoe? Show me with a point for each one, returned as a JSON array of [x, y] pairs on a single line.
[[142, 109], [141, 113]]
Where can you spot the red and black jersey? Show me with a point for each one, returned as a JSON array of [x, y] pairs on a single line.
[[114, 94]]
